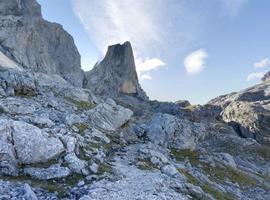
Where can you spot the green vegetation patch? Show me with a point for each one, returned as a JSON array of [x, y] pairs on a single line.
[[146, 165], [182, 154], [60, 186], [206, 187], [81, 105], [25, 92], [105, 168], [221, 174], [81, 126]]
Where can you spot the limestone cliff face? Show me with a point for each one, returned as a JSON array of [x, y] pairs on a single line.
[[116, 74], [35, 44]]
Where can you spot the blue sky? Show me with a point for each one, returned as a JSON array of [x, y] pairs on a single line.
[[184, 49]]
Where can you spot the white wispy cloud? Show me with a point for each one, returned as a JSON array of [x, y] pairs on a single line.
[[148, 25], [145, 77], [262, 63], [147, 65], [195, 61], [256, 75], [156, 28]]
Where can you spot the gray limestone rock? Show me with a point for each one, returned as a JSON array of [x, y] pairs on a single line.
[[34, 145], [33, 43], [172, 132], [74, 163], [170, 170], [8, 162], [52, 172], [249, 119], [115, 74], [29, 194], [248, 111], [109, 116]]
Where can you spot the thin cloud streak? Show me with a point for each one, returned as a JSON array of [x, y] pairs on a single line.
[[146, 24]]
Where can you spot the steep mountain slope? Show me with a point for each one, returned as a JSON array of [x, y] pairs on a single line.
[[33, 43]]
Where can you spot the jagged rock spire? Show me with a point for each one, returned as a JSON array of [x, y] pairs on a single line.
[[116, 74]]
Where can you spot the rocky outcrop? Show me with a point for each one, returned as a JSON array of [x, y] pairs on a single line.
[[52, 172], [251, 120], [248, 111], [30, 143], [109, 116], [171, 132], [115, 74], [27, 40]]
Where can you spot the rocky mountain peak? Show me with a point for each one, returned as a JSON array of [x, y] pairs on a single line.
[[266, 77], [116, 73]]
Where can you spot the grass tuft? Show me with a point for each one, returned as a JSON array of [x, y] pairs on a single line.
[[182, 154], [81, 126]]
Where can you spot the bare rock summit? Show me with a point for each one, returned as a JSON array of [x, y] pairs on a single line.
[[116, 74]]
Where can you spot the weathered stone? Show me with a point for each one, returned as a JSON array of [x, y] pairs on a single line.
[[52, 172], [94, 168], [170, 170], [74, 163], [8, 162], [249, 120], [109, 116], [17, 106], [36, 44], [116, 74], [169, 131], [33, 145], [28, 193]]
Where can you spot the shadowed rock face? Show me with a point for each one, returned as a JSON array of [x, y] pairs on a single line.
[[35, 44], [116, 74]]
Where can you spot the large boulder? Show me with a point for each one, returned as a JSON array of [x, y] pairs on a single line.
[[53, 172], [115, 74], [109, 116], [171, 132], [31, 144], [27, 40]]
